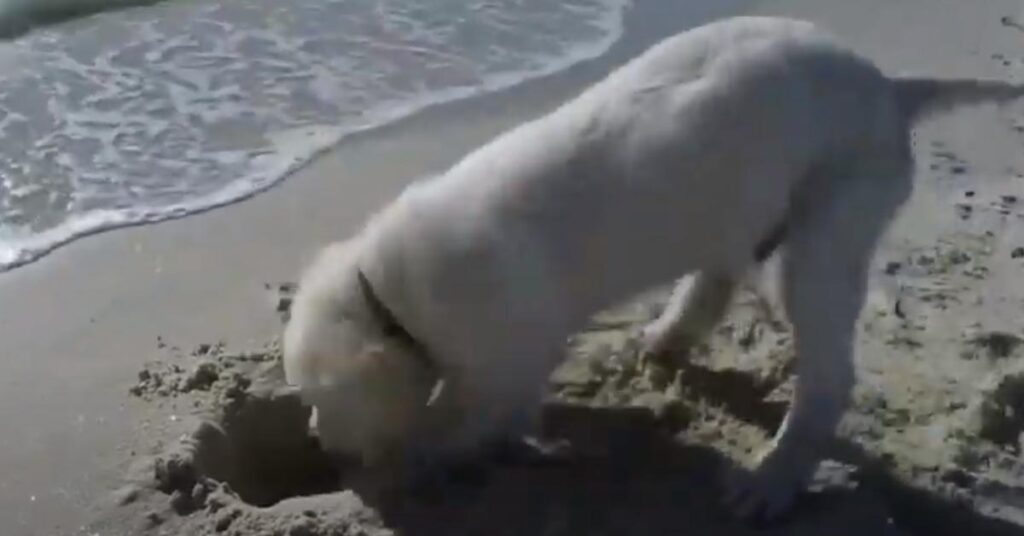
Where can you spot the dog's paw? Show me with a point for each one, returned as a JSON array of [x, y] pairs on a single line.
[[659, 365], [659, 346], [768, 492], [656, 342]]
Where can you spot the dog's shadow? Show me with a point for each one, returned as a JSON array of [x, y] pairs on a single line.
[[634, 478]]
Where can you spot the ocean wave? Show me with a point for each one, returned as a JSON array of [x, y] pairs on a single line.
[[155, 113]]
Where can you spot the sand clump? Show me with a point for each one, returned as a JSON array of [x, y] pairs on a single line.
[[999, 411]]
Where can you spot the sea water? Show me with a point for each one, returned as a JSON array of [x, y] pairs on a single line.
[[152, 113]]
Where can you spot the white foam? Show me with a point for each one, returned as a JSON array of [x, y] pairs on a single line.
[[181, 108]]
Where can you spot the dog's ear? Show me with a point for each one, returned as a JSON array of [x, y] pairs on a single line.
[[379, 311], [393, 329], [389, 325]]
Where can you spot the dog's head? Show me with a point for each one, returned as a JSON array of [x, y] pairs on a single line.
[[370, 385]]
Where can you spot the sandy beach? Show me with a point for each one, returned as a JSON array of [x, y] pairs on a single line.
[[937, 345]]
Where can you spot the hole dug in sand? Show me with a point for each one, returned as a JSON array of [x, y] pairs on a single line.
[[259, 448], [252, 467]]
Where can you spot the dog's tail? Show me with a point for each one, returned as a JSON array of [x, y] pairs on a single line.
[[919, 98]]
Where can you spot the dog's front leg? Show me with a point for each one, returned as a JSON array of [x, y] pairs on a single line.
[[825, 276]]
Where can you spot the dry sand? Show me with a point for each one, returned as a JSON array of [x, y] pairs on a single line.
[[932, 446]]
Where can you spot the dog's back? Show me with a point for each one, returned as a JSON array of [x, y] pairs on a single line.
[[683, 159]]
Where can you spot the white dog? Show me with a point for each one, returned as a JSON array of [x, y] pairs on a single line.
[[437, 326]]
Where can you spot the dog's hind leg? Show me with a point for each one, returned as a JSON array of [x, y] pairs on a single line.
[[835, 227], [697, 304]]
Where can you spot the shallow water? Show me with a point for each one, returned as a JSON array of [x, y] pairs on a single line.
[[153, 113]]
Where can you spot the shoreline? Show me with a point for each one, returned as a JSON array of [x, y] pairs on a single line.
[[78, 324]]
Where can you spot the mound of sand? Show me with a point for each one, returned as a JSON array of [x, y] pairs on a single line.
[[248, 463]]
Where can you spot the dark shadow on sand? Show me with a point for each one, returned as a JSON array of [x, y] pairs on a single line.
[[633, 478]]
